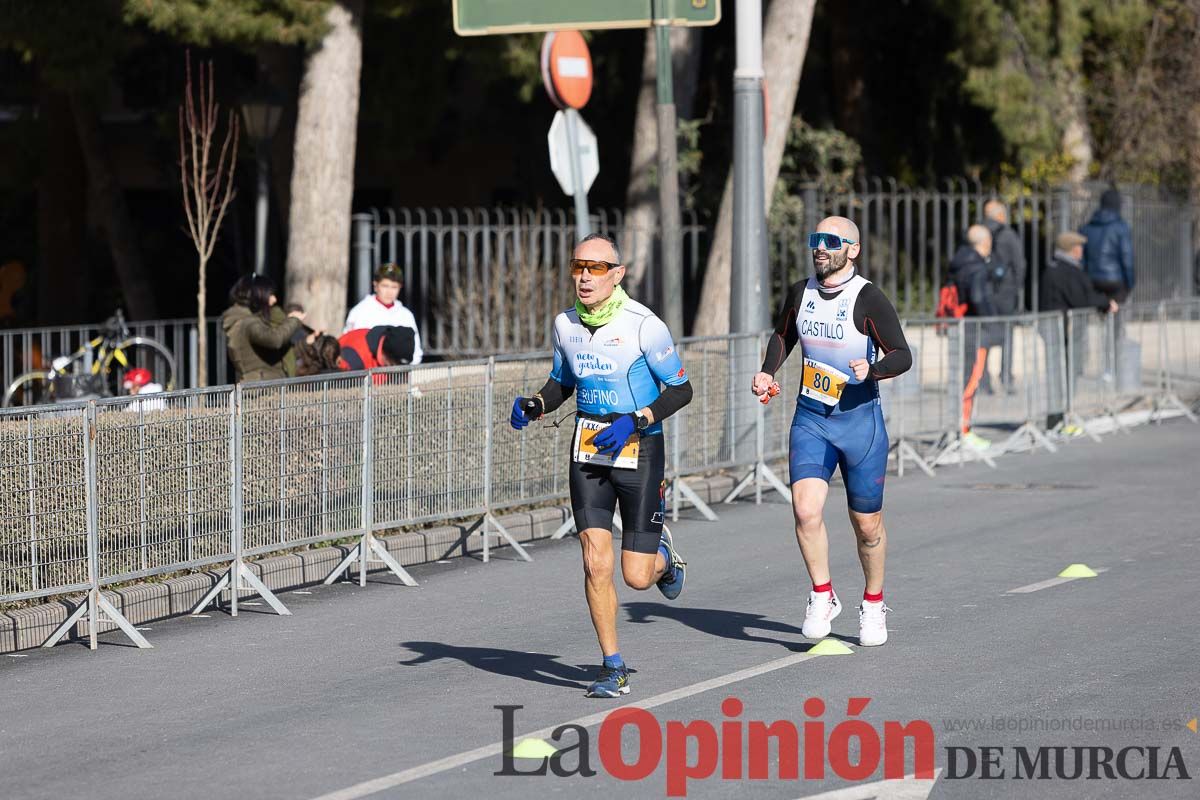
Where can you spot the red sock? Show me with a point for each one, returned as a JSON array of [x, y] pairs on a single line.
[[827, 586], [872, 598]]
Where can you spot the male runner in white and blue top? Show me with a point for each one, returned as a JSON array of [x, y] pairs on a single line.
[[843, 323], [621, 363]]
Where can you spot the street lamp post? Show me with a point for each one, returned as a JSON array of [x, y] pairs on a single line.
[[262, 109]]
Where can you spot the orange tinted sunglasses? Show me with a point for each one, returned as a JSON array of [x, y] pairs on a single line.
[[598, 268]]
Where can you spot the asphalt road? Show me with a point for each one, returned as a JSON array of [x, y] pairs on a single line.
[[394, 685]]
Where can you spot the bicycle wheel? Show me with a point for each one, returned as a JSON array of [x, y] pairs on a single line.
[[140, 351], [29, 389]]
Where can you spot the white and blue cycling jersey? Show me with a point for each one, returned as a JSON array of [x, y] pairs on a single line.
[[620, 367]]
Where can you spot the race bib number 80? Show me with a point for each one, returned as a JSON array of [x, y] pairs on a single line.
[[585, 451], [822, 382]]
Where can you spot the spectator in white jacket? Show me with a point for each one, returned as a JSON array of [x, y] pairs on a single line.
[[384, 307]]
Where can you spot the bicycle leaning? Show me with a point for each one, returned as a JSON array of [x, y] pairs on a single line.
[[96, 369]]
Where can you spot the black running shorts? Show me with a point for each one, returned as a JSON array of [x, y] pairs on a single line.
[[596, 491]]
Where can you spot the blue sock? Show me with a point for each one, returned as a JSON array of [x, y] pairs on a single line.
[[614, 661], [666, 554]]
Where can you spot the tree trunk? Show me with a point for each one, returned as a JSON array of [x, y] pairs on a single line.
[[201, 331], [62, 280], [785, 42], [1070, 30], [318, 260], [641, 196], [114, 215], [1076, 137]]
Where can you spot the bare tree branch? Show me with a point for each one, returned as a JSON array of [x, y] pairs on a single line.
[[207, 187]]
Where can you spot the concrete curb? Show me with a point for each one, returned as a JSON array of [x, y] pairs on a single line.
[[142, 603]]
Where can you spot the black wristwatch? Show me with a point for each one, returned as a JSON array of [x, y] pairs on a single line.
[[641, 421]]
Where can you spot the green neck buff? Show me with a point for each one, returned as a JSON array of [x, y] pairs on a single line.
[[605, 313]]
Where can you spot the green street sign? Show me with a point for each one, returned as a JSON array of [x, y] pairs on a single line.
[[484, 17]]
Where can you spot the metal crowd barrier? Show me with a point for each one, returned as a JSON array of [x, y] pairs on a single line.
[[1180, 329], [98, 493]]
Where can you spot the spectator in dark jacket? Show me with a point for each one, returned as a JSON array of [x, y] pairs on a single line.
[[257, 343], [1108, 254], [971, 271], [1064, 287], [1008, 257]]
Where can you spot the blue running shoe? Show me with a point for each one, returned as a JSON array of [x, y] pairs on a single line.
[[671, 583], [613, 682]]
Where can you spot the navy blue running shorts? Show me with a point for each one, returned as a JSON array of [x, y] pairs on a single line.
[[855, 441]]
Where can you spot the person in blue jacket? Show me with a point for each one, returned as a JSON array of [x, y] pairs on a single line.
[[1108, 253]]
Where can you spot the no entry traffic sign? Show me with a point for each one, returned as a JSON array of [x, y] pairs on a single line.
[[567, 69]]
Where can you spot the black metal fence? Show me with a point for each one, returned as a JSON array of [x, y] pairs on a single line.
[[484, 281], [488, 281]]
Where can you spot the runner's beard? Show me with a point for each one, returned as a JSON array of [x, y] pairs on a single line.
[[835, 263]]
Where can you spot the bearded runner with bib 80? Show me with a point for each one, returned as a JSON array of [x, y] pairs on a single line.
[[614, 354], [842, 322]]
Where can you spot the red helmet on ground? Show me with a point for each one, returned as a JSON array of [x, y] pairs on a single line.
[[137, 377]]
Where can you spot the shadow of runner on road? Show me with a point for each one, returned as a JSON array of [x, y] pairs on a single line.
[[726, 624], [534, 667]]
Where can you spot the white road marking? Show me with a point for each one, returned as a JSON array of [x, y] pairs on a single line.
[[450, 762], [1046, 584]]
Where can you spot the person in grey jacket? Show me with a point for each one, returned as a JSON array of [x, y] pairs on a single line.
[[1008, 255], [1108, 254]]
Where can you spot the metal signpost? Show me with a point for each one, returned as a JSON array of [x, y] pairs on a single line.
[[567, 75], [484, 17], [749, 291], [749, 284], [668, 172]]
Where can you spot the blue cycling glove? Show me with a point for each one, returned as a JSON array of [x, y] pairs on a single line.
[[524, 411], [610, 440]]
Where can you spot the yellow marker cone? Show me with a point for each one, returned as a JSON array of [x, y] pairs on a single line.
[[1192, 725], [533, 748], [830, 647], [1078, 571]]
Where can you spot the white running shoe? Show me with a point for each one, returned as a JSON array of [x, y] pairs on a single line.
[[872, 623], [823, 607]]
